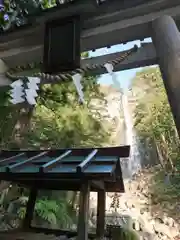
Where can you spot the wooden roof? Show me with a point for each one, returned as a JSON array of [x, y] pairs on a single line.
[[65, 169]]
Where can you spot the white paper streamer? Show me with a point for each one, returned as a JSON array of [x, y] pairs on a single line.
[[17, 92], [109, 67], [77, 82], [31, 92], [17, 83]]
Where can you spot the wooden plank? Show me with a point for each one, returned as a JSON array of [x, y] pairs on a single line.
[[54, 162], [26, 162], [82, 166], [98, 169], [11, 159], [64, 168], [119, 151], [166, 38]]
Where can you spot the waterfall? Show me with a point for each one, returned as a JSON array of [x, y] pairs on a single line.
[[131, 165]]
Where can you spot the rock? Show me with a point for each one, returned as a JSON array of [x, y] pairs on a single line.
[[174, 232], [148, 227], [136, 225], [148, 236], [162, 229], [142, 211], [169, 221], [159, 220]]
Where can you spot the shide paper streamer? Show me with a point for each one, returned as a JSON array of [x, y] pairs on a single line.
[[17, 92], [31, 91], [77, 82], [109, 67], [22, 92]]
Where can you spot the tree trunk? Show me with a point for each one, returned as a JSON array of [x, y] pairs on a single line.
[[160, 155], [22, 126], [168, 158]]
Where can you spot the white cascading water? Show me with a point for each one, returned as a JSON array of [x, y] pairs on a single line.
[[133, 164]]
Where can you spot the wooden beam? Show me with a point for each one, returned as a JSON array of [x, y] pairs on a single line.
[[166, 38], [110, 13], [80, 168], [124, 30], [101, 208], [98, 185], [22, 164], [116, 12], [12, 158], [49, 165], [83, 212], [145, 56]]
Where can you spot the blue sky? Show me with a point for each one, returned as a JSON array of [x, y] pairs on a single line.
[[124, 77]]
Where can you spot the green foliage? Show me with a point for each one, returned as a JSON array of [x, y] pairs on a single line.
[[14, 13], [153, 115], [55, 212], [154, 124], [58, 121], [166, 192]]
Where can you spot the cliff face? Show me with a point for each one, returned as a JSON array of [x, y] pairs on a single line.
[[136, 203]]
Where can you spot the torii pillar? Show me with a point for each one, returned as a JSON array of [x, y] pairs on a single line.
[[166, 38]]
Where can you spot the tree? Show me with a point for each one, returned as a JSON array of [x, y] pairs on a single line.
[[15, 13], [154, 120], [155, 125]]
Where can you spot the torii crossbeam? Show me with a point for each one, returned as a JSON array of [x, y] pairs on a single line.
[[105, 24]]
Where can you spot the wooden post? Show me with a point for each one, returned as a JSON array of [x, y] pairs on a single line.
[[4, 81], [166, 38], [83, 212], [101, 208], [30, 208]]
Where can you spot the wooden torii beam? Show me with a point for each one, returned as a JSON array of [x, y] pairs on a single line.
[[103, 26], [145, 56]]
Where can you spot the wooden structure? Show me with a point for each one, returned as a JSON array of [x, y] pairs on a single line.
[[81, 170], [112, 22], [105, 24]]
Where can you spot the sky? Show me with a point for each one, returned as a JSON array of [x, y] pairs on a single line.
[[124, 77]]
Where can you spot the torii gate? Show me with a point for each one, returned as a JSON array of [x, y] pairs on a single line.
[[106, 24]]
